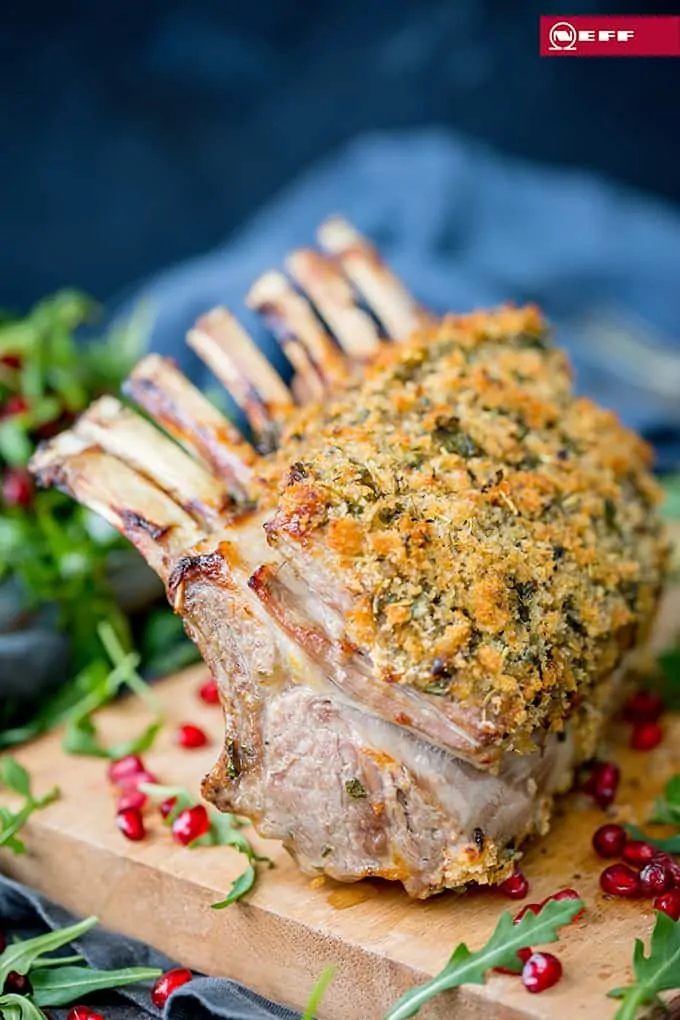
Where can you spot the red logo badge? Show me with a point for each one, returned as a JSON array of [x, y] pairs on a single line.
[[646, 35]]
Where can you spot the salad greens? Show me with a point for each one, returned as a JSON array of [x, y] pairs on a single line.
[[658, 972], [14, 777]]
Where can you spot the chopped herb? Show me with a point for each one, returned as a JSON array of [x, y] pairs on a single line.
[[355, 789], [317, 993]]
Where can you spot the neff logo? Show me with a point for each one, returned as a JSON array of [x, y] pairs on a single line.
[[563, 35]]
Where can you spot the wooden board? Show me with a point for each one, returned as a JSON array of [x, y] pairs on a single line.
[[291, 927]]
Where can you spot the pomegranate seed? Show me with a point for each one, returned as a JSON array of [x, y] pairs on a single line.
[[131, 798], [191, 824], [167, 983], [166, 806], [121, 771], [131, 824], [541, 971], [566, 894], [655, 879], [636, 851], [646, 736], [609, 840], [11, 360], [17, 487], [17, 984], [528, 908], [191, 736], [83, 1013], [209, 692], [603, 782], [516, 886], [672, 866], [140, 777], [14, 405], [643, 706], [669, 903], [523, 955], [620, 880]]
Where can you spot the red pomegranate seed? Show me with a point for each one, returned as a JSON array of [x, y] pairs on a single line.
[[672, 866], [209, 692], [516, 886], [17, 984], [669, 903], [620, 880], [541, 971], [14, 405], [643, 706], [83, 1013], [655, 879], [566, 894], [17, 487], [167, 983], [528, 908], [191, 824], [121, 771], [131, 798], [609, 840], [140, 777], [11, 360], [191, 736], [523, 955], [166, 806], [603, 782], [636, 851], [646, 736], [131, 824]]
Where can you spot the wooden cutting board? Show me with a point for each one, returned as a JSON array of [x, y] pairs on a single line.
[[290, 927]]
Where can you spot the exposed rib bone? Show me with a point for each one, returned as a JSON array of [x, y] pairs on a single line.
[[289, 316], [168, 396], [385, 294], [152, 521], [133, 440], [256, 387], [335, 301]]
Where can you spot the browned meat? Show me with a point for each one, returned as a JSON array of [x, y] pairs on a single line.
[[417, 596]]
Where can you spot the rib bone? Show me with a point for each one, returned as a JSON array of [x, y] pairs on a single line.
[[385, 294]]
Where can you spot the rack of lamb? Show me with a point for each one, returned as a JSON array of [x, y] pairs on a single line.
[[417, 573]]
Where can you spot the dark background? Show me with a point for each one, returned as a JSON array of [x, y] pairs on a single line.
[[136, 134]]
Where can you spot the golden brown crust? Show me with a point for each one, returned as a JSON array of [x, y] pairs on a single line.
[[497, 534]]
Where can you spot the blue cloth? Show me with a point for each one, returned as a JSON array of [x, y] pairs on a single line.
[[465, 226]]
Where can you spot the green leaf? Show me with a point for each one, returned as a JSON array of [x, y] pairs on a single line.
[[15, 777], [15, 446], [20, 956], [12, 821], [63, 985], [466, 967], [138, 744], [239, 887], [670, 845], [56, 961], [80, 737], [19, 1007], [667, 808], [658, 972], [317, 993]]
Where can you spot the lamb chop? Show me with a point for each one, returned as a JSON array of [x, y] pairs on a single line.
[[417, 579]]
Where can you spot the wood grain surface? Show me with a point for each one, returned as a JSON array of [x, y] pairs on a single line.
[[289, 928]]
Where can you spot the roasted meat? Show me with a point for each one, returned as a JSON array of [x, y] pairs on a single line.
[[417, 580]]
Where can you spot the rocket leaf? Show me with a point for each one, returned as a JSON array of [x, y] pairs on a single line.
[[467, 967], [658, 972]]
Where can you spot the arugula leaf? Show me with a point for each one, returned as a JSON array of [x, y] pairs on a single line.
[[15, 777], [224, 831], [21, 956], [466, 967], [317, 993], [669, 683], [667, 808], [19, 1007], [61, 986], [658, 972]]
